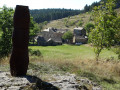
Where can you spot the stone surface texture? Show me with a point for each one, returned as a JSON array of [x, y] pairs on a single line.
[[60, 82]]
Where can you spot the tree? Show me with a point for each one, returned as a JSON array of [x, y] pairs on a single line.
[[34, 29], [88, 27], [41, 15], [6, 25], [104, 34], [68, 36], [86, 8], [6, 28], [45, 22]]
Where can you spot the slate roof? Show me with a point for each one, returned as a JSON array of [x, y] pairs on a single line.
[[53, 34]]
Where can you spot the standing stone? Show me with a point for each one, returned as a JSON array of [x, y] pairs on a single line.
[[19, 58]]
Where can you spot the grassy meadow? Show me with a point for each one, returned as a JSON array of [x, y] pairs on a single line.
[[72, 52], [81, 61]]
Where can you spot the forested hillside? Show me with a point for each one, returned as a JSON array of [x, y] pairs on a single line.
[[41, 15], [90, 7]]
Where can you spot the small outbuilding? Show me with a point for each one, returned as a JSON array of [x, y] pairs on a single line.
[[79, 35]]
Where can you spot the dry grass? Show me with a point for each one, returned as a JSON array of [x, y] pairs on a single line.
[[75, 58], [106, 73], [85, 17], [60, 22], [4, 64], [101, 68], [4, 61]]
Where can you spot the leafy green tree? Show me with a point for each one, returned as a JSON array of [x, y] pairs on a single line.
[[34, 29], [117, 36], [45, 22], [6, 25], [86, 8], [68, 36], [105, 31], [6, 28], [88, 27]]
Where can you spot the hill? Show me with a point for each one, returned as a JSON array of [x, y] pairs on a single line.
[[70, 22], [41, 15], [73, 21]]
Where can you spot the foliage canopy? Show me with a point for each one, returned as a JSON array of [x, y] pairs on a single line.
[[6, 26], [68, 35], [106, 27]]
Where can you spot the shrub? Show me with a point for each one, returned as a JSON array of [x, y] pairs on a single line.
[[80, 23], [34, 52]]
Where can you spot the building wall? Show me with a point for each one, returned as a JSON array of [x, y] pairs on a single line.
[[79, 32], [79, 36], [55, 38], [83, 41]]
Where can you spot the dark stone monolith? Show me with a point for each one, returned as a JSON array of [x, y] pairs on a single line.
[[19, 58]]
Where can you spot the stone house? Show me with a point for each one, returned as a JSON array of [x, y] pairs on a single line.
[[79, 35], [50, 37]]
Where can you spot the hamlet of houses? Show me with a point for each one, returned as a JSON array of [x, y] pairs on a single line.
[[53, 36]]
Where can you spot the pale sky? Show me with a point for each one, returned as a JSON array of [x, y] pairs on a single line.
[[40, 4]]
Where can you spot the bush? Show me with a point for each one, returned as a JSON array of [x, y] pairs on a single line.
[[72, 23], [34, 52], [80, 23], [68, 35]]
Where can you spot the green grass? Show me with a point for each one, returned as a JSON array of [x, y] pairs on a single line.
[[71, 52], [73, 59], [81, 61]]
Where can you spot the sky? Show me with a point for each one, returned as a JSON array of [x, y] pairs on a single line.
[[43, 4]]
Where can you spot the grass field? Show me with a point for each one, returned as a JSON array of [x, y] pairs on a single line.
[[81, 61], [72, 52]]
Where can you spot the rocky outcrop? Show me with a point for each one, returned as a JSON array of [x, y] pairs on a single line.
[[72, 82], [23, 83], [58, 82], [12, 83]]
